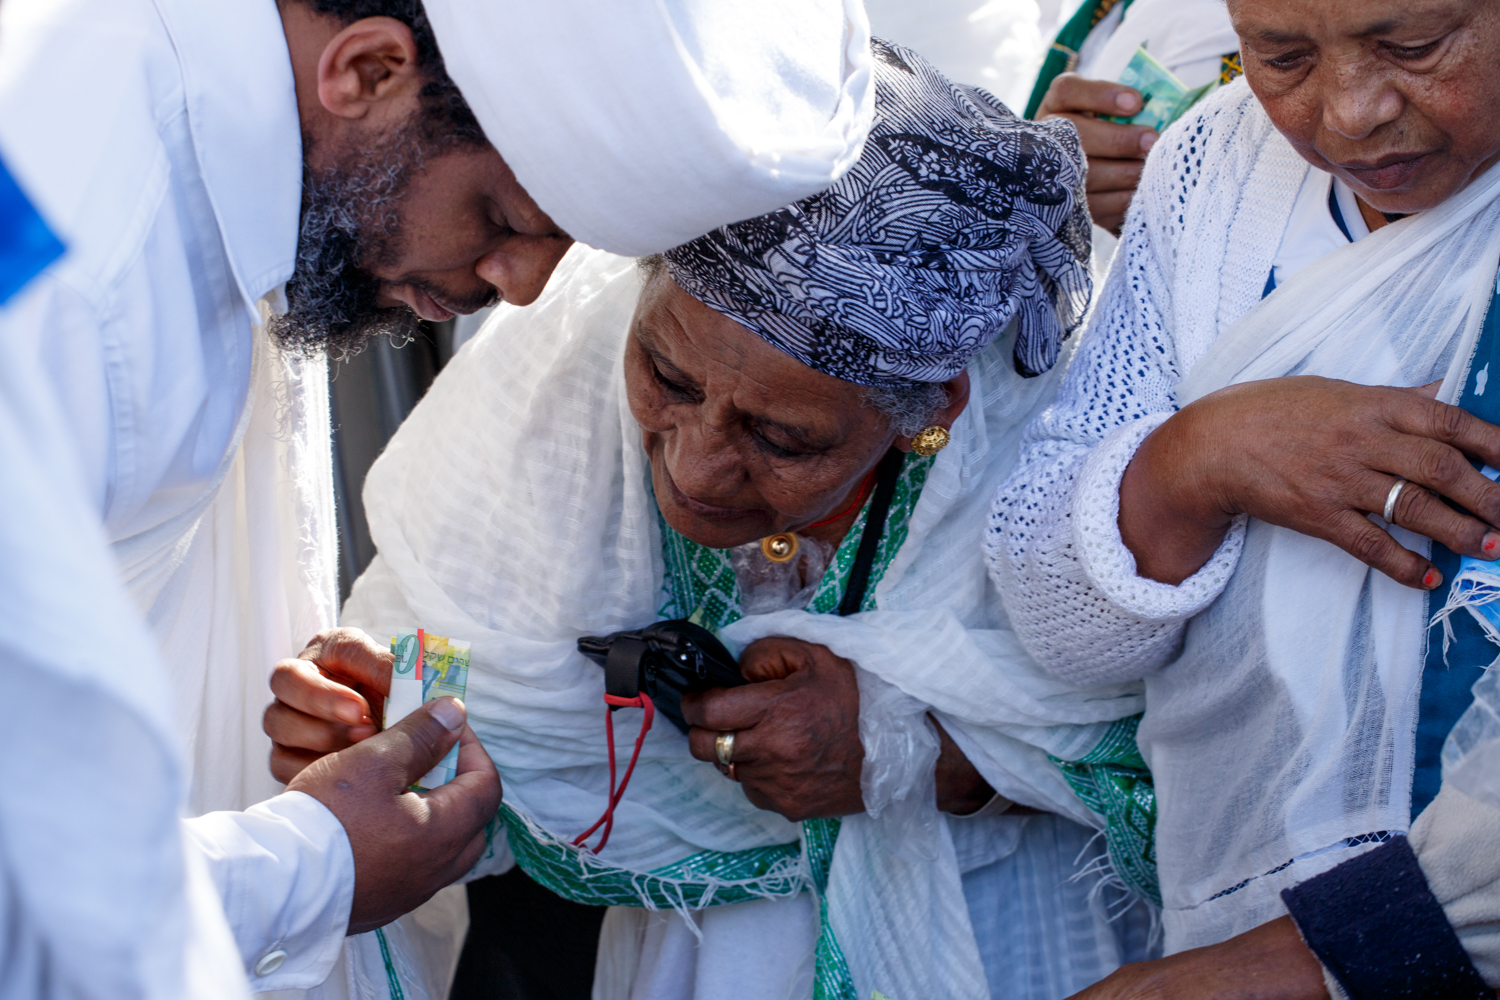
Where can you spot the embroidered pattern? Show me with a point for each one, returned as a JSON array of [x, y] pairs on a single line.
[[957, 218]]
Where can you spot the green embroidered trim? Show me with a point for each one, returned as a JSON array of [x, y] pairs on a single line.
[[1062, 55], [1113, 781], [701, 587], [392, 980], [705, 879], [834, 980]]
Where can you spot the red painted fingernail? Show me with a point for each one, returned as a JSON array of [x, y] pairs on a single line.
[[1431, 579], [1491, 544]]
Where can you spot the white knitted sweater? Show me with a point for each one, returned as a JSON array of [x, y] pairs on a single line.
[[1191, 261]]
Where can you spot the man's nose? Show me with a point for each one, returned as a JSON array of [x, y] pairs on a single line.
[[520, 266]]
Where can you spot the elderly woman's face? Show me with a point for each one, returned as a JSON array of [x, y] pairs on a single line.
[[1397, 97], [744, 441]]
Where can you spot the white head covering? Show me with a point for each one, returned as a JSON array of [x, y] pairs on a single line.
[[638, 125]]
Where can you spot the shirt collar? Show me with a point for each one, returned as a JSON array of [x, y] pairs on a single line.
[[242, 108]]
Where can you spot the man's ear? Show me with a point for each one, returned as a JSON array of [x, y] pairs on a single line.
[[958, 399], [369, 68]]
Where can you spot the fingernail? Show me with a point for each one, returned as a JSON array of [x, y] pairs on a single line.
[[349, 714], [1125, 101], [1147, 141], [1431, 579], [1491, 544], [450, 712]]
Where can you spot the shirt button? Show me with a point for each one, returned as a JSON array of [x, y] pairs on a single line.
[[269, 963]]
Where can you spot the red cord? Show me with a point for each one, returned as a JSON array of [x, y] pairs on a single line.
[[864, 488], [615, 795]]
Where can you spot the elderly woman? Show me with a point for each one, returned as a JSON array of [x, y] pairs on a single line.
[[1240, 496], [755, 441]]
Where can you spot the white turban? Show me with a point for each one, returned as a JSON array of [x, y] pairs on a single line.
[[638, 125]]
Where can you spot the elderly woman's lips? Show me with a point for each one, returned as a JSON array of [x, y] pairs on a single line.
[[708, 510], [1387, 172]]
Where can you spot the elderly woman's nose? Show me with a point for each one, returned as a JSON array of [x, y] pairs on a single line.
[[1357, 101], [704, 463]]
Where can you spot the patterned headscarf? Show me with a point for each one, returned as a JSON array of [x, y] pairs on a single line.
[[957, 218]]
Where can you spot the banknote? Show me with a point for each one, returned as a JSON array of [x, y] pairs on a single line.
[[1164, 98], [426, 667]]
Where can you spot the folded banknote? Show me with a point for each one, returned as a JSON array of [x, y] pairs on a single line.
[[1164, 98], [426, 667]]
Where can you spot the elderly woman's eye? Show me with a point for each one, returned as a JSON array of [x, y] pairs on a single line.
[[675, 388], [779, 449], [1290, 60], [1411, 52]]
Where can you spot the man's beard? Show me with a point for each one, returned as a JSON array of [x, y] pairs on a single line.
[[350, 222]]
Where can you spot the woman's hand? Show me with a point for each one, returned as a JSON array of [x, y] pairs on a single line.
[[1267, 963], [328, 698], [1315, 455], [797, 749], [1116, 152]]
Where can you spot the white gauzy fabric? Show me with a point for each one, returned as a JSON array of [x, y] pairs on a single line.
[[1283, 732], [638, 125], [537, 525], [1189, 37], [245, 574]]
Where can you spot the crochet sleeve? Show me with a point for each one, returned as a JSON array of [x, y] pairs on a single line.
[[1054, 547]]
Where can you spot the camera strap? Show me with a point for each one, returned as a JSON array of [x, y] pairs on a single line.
[[607, 821], [886, 475]]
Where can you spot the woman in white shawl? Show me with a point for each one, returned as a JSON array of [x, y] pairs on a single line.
[[715, 447], [1229, 501]]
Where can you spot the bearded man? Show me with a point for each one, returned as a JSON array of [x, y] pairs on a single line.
[[243, 187]]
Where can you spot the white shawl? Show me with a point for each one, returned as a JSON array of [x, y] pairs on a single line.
[[1284, 732], [513, 509]]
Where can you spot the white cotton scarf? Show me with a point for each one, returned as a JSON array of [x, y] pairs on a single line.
[[513, 509], [1284, 733]]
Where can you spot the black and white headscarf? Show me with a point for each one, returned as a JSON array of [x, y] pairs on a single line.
[[958, 217]]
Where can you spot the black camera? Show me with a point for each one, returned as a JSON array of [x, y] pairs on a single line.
[[665, 661]]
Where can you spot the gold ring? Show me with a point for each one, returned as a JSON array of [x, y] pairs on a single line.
[[724, 748]]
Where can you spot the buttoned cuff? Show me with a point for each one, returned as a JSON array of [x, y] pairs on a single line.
[[1376, 926], [1110, 566], [285, 872]]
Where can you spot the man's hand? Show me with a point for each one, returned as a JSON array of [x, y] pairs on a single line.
[[406, 845], [328, 698], [797, 748], [1116, 152]]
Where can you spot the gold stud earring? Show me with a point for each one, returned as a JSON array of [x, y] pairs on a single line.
[[779, 548], [931, 441]]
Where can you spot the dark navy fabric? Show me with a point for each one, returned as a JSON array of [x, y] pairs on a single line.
[[26, 244], [1375, 925], [1447, 679]]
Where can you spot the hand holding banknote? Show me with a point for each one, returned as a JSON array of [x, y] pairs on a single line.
[[331, 696], [1116, 152], [406, 845]]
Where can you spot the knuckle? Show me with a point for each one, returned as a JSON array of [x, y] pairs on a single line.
[[1369, 546], [1448, 422], [1439, 466]]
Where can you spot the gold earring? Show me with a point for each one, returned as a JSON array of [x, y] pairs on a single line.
[[779, 548], [931, 441]]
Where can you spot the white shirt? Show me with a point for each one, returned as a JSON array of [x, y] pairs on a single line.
[[161, 141]]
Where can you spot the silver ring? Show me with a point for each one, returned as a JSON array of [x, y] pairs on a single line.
[[724, 748], [1391, 498]]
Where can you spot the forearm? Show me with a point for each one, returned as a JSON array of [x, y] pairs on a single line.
[[961, 789]]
